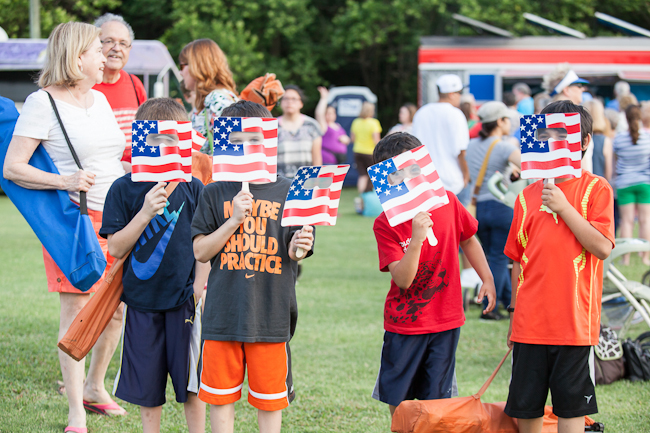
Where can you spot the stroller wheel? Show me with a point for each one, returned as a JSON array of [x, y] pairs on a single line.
[[645, 280]]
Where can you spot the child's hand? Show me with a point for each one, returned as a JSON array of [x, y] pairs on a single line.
[[488, 289], [242, 206], [155, 200], [420, 226], [553, 198], [509, 342], [303, 238]]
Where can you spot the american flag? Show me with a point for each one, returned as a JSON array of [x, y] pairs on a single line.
[[553, 158], [161, 163], [198, 140], [403, 201], [245, 162], [309, 204]]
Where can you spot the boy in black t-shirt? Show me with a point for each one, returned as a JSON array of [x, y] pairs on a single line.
[[250, 311], [160, 279]]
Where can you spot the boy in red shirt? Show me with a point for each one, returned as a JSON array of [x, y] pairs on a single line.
[[424, 307], [559, 237]]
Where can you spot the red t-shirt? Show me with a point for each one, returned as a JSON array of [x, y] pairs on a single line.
[[434, 301], [122, 99], [560, 286]]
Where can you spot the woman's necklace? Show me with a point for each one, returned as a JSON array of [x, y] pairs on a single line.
[[85, 108]]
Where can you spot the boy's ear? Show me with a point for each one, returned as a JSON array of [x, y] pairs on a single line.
[[586, 143]]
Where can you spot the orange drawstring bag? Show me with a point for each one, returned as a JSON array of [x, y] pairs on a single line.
[[264, 90]]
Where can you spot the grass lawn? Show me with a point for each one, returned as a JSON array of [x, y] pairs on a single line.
[[335, 350]]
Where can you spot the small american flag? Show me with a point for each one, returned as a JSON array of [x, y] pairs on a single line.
[[313, 197], [198, 140], [422, 193], [161, 163], [245, 162], [553, 158]]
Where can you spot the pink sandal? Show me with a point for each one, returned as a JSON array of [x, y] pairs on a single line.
[[75, 429], [102, 408]]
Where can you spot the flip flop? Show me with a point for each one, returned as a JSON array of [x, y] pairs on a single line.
[[101, 408], [75, 429]]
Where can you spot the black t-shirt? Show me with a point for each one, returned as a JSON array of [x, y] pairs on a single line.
[[158, 275], [251, 289]]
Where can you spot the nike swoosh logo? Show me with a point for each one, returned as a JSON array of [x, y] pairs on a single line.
[[250, 276], [145, 270]]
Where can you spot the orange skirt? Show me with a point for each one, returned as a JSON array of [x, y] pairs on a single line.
[[56, 280]]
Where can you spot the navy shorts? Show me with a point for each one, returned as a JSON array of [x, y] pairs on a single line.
[[417, 367], [153, 346], [568, 371]]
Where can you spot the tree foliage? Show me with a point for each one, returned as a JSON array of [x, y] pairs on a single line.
[[372, 43]]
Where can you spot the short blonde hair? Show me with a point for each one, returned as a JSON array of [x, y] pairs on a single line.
[[553, 78], [67, 42], [625, 101], [367, 110]]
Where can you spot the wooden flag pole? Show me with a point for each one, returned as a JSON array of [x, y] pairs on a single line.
[[433, 241], [299, 251]]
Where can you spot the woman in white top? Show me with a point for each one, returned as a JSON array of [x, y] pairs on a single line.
[[74, 64], [204, 68]]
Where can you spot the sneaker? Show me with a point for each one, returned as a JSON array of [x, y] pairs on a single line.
[[492, 315], [358, 205]]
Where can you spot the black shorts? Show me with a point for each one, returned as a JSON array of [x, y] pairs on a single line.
[[417, 366], [568, 371], [155, 345]]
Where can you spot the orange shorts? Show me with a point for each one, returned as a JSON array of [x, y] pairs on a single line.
[[270, 385], [56, 280]]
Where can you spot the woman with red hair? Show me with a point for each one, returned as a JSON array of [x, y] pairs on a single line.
[[205, 70]]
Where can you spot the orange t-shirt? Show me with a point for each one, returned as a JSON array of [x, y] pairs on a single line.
[[560, 286]]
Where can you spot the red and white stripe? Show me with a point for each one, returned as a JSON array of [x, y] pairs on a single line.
[[564, 157], [323, 208], [259, 162], [426, 191], [174, 163]]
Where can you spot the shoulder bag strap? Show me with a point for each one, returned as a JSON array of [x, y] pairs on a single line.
[[481, 173], [489, 381], [83, 206], [134, 89]]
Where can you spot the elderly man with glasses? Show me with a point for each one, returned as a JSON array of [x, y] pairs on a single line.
[[125, 92]]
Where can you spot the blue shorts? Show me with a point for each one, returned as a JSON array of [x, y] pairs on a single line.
[[153, 346], [417, 367]]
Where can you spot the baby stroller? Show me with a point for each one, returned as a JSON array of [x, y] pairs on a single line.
[[624, 301]]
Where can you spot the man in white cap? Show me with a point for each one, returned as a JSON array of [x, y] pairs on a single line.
[[564, 84], [442, 128]]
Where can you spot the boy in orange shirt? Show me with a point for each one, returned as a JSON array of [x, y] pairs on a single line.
[[559, 237]]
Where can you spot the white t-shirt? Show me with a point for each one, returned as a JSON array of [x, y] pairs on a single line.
[[442, 128], [96, 138]]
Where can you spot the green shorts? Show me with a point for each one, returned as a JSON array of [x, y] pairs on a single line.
[[634, 194]]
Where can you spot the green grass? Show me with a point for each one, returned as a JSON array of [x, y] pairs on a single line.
[[335, 350]]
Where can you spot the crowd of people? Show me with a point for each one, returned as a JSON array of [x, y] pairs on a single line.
[[98, 101]]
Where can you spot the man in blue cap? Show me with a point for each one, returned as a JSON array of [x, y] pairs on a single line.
[[564, 84]]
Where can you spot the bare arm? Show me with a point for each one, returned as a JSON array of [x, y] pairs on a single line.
[[474, 252], [201, 273], [121, 242], [405, 270], [462, 162], [376, 137], [344, 139], [208, 246], [126, 166], [18, 170], [515, 157], [321, 108], [316, 155], [590, 238], [514, 278], [608, 153]]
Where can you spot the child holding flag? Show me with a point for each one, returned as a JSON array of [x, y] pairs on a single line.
[[423, 312], [250, 312], [160, 280], [560, 234]]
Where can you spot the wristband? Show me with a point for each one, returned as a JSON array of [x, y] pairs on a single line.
[[510, 309]]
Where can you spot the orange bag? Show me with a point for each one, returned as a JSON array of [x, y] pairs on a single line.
[[95, 315], [264, 90], [463, 415]]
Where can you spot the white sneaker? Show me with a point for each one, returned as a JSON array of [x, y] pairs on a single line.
[[358, 205], [469, 278]]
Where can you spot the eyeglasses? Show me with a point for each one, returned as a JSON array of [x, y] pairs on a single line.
[[111, 43], [578, 85], [291, 99]]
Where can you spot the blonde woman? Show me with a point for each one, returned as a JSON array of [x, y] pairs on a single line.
[[74, 64], [365, 134], [205, 70]]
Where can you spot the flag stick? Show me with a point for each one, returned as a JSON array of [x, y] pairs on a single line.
[[433, 241], [245, 187], [299, 251]]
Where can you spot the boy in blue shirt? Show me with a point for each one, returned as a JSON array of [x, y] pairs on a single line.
[[160, 280]]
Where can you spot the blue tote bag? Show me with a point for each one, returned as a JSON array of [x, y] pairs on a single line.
[[64, 229]]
